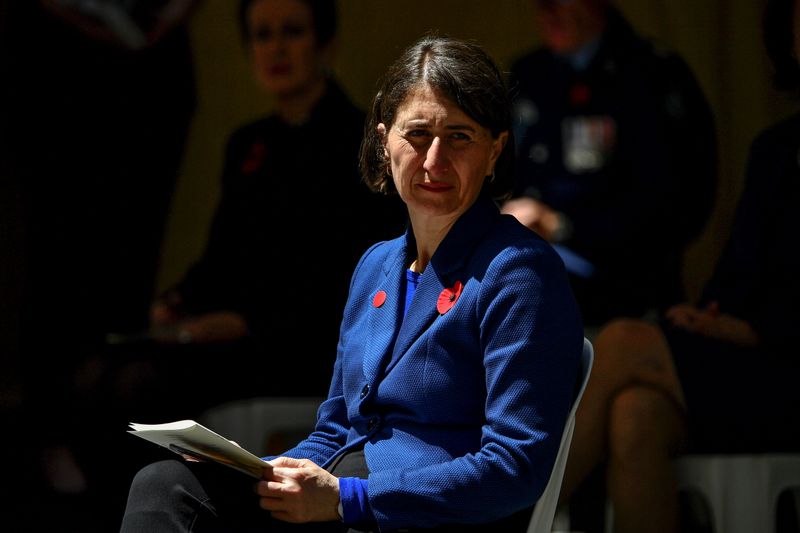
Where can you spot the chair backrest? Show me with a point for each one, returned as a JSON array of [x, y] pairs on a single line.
[[545, 509], [252, 421]]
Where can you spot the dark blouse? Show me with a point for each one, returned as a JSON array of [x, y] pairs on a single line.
[[293, 220]]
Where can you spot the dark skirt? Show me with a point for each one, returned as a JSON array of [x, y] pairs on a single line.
[[739, 400]]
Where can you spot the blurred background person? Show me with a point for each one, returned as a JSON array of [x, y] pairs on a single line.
[[616, 156], [258, 281], [718, 376], [96, 107]]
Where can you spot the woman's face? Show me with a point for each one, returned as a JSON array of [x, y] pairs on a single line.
[[286, 58], [439, 156], [567, 25]]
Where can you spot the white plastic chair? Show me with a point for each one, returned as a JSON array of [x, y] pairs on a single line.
[[741, 491], [545, 509], [252, 421]]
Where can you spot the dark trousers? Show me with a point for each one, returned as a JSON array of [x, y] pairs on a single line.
[[176, 496]]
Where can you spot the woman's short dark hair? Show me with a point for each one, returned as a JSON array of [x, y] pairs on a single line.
[[323, 14], [779, 39], [464, 73]]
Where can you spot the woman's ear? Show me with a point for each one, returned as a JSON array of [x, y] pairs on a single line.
[[497, 149], [327, 54], [381, 129]]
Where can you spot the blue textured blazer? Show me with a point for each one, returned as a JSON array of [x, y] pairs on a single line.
[[459, 414]]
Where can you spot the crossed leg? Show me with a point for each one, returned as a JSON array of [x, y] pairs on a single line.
[[631, 417]]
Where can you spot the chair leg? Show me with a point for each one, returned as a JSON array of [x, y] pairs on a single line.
[[695, 513], [787, 519]]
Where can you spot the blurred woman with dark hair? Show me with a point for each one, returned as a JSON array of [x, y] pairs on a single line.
[[297, 167]]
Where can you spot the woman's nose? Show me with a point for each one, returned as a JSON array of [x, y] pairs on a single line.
[[277, 45], [436, 160]]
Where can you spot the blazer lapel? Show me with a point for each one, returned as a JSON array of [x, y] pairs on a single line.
[[421, 314], [448, 260], [382, 323]]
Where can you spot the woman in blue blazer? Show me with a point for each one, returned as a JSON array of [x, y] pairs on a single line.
[[458, 351]]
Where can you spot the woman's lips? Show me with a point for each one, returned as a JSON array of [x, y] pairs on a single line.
[[279, 70], [435, 186]]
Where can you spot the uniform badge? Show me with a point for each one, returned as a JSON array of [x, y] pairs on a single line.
[[588, 141]]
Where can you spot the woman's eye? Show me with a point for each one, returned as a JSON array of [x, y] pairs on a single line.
[[417, 137], [294, 30], [459, 139], [262, 34], [288, 31]]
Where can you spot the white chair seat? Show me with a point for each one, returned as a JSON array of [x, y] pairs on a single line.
[[741, 491]]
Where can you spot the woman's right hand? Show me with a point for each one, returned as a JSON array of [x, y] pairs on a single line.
[[298, 490]]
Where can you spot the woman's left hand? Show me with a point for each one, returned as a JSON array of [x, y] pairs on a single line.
[[299, 491], [709, 322], [532, 213]]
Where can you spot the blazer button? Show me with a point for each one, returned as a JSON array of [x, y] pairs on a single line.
[[364, 391], [372, 424]]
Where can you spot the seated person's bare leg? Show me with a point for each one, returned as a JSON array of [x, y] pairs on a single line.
[[632, 365], [646, 430]]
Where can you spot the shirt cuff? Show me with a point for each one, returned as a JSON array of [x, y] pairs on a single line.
[[355, 502]]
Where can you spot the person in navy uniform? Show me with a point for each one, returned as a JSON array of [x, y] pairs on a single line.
[[616, 157], [718, 375]]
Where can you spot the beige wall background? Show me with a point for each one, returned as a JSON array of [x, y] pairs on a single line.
[[720, 39]]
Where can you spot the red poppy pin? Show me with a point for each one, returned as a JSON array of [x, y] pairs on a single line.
[[379, 298], [448, 297], [254, 159]]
